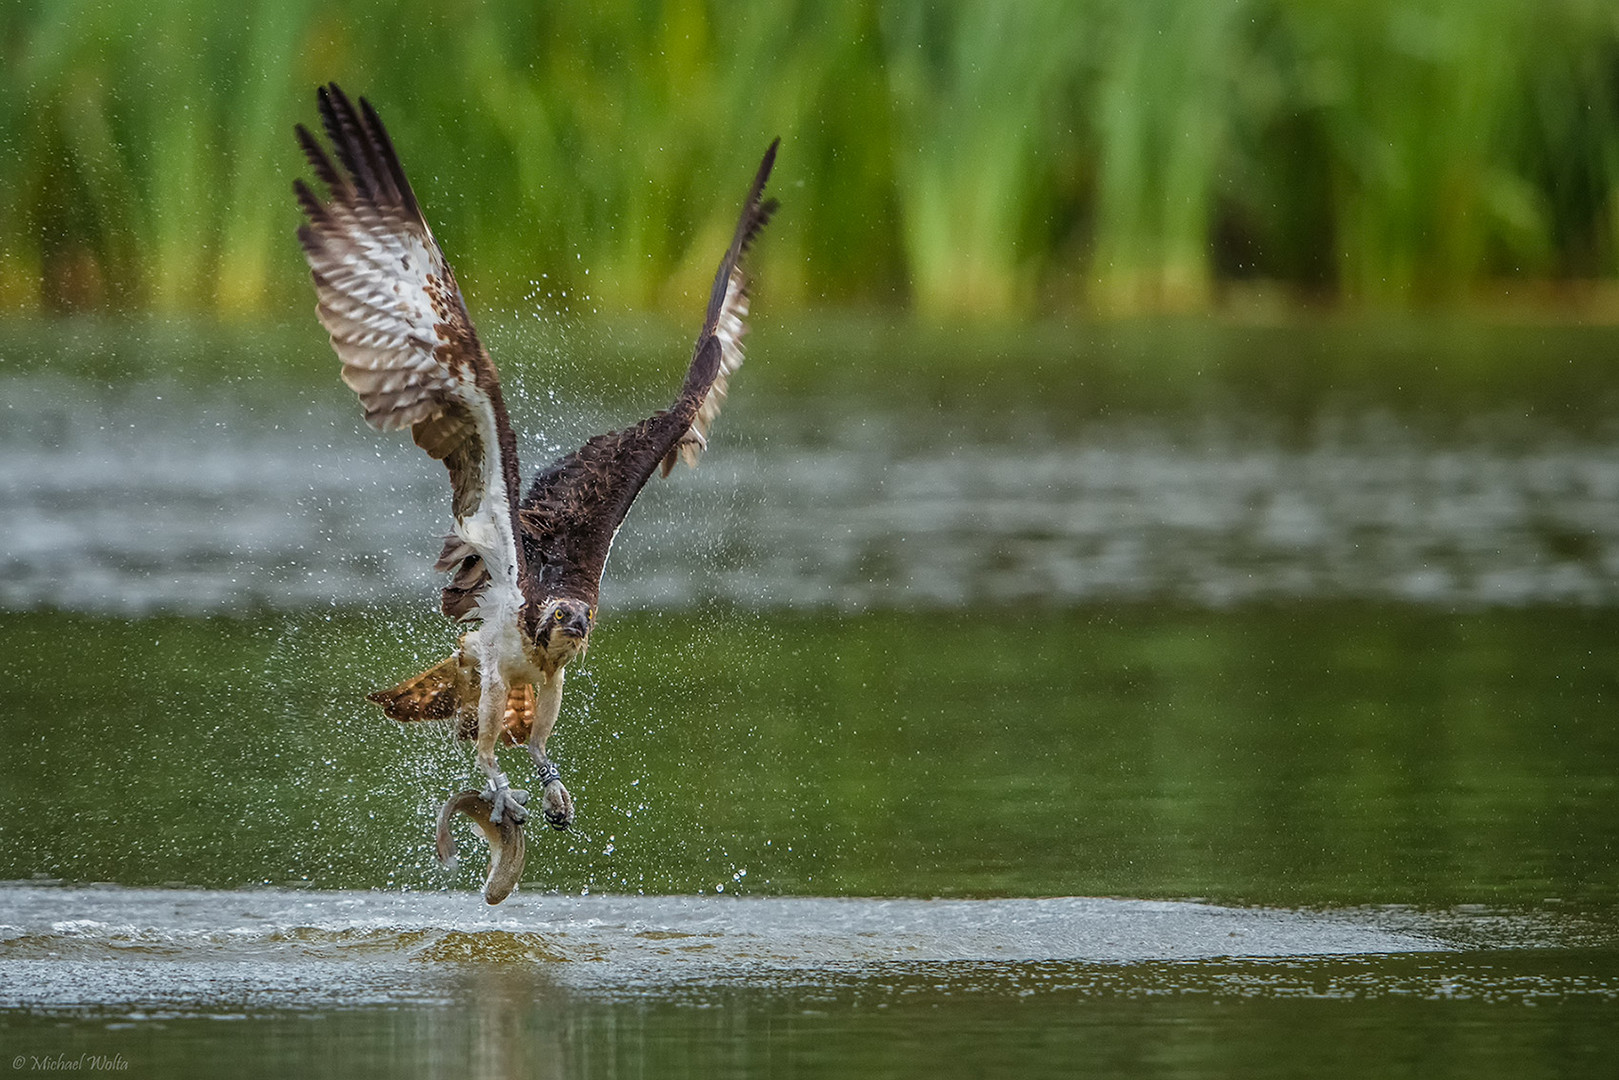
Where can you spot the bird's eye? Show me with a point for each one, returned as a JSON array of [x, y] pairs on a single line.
[[558, 615]]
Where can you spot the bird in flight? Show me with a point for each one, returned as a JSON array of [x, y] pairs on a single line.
[[525, 567]]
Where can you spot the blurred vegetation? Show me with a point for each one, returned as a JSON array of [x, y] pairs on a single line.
[[975, 158]]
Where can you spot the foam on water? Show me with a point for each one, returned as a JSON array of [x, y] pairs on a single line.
[[665, 931], [147, 954], [190, 952]]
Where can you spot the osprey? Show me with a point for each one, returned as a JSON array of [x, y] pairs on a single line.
[[526, 567]]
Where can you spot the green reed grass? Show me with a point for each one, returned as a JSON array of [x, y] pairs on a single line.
[[973, 86], [966, 159]]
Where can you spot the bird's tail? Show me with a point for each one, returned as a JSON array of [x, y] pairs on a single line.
[[450, 690], [436, 694]]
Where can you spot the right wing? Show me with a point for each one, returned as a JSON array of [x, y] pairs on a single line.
[[398, 324]]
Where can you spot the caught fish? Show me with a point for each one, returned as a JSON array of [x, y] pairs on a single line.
[[505, 839]]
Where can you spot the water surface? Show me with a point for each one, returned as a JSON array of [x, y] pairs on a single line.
[[1125, 700], [418, 984], [1215, 469]]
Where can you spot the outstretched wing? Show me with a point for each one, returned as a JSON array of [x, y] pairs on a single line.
[[726, 320], [573, 509], [398, 324]]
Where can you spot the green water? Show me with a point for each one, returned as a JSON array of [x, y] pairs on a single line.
[[1333, 755], [1323, 1019], [1446, 766]]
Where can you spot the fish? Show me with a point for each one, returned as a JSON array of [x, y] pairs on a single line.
[[507, 849]]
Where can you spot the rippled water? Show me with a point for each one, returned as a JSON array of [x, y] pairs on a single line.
[[167, 495], [1315, 622], [621, 942], [342, 983]]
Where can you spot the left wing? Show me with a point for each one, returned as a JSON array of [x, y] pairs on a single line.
[[398, 323], [726, 319], [573, 509]]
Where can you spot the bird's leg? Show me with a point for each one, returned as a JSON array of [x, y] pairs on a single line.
[[555, 801], [503, 799]]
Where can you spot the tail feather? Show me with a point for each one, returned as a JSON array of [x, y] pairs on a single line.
[[449, 690], [435, 694], [519, 719]]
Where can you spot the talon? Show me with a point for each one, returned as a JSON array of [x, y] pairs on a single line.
[[557, 806], [504, 803], [555, 802], [508, 809]]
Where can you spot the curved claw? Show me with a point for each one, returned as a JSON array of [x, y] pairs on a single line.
[[557, 805], [505, 801], [555, 802], [507, 848]]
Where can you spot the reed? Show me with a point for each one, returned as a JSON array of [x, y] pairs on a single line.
[[1163, 99], [965, 159], [974, 86]]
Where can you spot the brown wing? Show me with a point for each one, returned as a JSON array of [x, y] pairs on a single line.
[[727, 314], [573, 509], [408, 348]]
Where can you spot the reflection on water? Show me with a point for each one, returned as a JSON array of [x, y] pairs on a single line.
[[153, 497], [336, 983], [430, 985], [909, 690]]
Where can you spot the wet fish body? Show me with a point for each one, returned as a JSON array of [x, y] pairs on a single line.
[[507, 848]]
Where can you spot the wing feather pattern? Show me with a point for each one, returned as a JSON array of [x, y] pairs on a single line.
[[727, 314], [389, 299], [573, 509]]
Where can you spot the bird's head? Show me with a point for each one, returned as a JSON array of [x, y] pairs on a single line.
[[564, 625]]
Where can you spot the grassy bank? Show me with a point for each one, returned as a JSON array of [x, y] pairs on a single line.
[[971, 158]]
